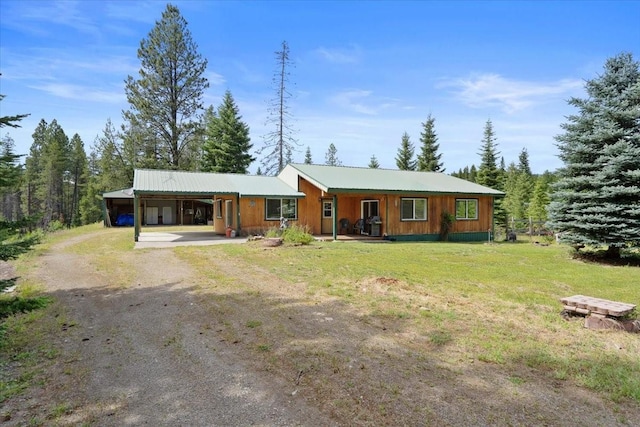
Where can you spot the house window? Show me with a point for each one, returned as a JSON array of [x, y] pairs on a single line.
[[218, 208], [413, 209], [281, 208], [466, 208]]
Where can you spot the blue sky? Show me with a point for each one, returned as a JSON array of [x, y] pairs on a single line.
[[364, 72]]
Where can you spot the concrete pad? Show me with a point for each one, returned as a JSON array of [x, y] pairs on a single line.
[[183, 238]]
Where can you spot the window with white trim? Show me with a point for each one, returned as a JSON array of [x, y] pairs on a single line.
[[281, 208], [218, 203], [466, 208], [413, 209]]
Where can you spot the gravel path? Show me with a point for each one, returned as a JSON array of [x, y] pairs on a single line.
[[146, 355]]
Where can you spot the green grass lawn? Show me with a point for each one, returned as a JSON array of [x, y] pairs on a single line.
[[495, 303]]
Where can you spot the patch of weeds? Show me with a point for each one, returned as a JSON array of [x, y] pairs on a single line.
[[264, 347], [16, 386], [60, 410], [516, 380], [253, 323], [492, 356], [440, 337]]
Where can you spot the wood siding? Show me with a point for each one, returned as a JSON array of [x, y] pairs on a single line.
[[349, 207]]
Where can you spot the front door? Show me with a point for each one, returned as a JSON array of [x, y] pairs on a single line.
[[327, 217]]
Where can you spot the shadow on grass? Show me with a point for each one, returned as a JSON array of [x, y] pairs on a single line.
[[10, 305]]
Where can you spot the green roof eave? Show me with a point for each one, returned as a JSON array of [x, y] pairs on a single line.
[[383, 191], [195, 194], [279, 196]]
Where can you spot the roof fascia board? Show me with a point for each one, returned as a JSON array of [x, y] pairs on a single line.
[[433, 193]]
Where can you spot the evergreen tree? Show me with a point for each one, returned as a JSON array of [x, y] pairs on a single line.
[[227, 142], [518, 186], [596, 202], [512, 202], [55, 154], [12, 241], [11, 121], [10, 176], [523, 162], [167, 97], [373, 163], [429, 158], [278, 141], [331, 158], [288, 157], [307, 156], [91, 202], [33, 202], [540, 198], [488, 173], [472, 174], [259, 171], [77, 176], [404, 158]]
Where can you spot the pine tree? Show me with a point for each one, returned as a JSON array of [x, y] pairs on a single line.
[[488, 172], [12, 241], [10, 176], [307, 156], [288, 157], [472, 174], [166, 98], [596, 202], [227, 142], [523, 162], [429, 158], [55, 154], [278, 141], [77, 176], [331, 158], [540, 198], [373, 163], [404, 158]]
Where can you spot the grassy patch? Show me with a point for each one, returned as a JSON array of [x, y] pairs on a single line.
[[497, 304]]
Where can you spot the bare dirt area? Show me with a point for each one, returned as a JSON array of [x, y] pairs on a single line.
[[222, 342]]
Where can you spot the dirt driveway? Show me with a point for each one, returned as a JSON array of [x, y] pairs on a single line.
[[147, 355]]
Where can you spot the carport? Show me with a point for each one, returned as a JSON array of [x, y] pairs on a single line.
[[228, 201]]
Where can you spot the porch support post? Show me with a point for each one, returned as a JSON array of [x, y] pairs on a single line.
[[335, 217], [136, 217], [238, 213]]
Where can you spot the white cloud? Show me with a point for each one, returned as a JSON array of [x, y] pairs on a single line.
[[493, 90], [362, 101], [82, 93], [349, 55], [215, 78]]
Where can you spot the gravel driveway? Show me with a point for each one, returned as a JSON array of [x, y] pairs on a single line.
[[146, 355]]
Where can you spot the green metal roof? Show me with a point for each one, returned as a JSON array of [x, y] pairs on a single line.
[[153, 181], [340, 179], [126, 193]]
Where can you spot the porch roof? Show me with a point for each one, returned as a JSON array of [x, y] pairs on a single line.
[[341, 179], [197, 184], [126, 193]]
